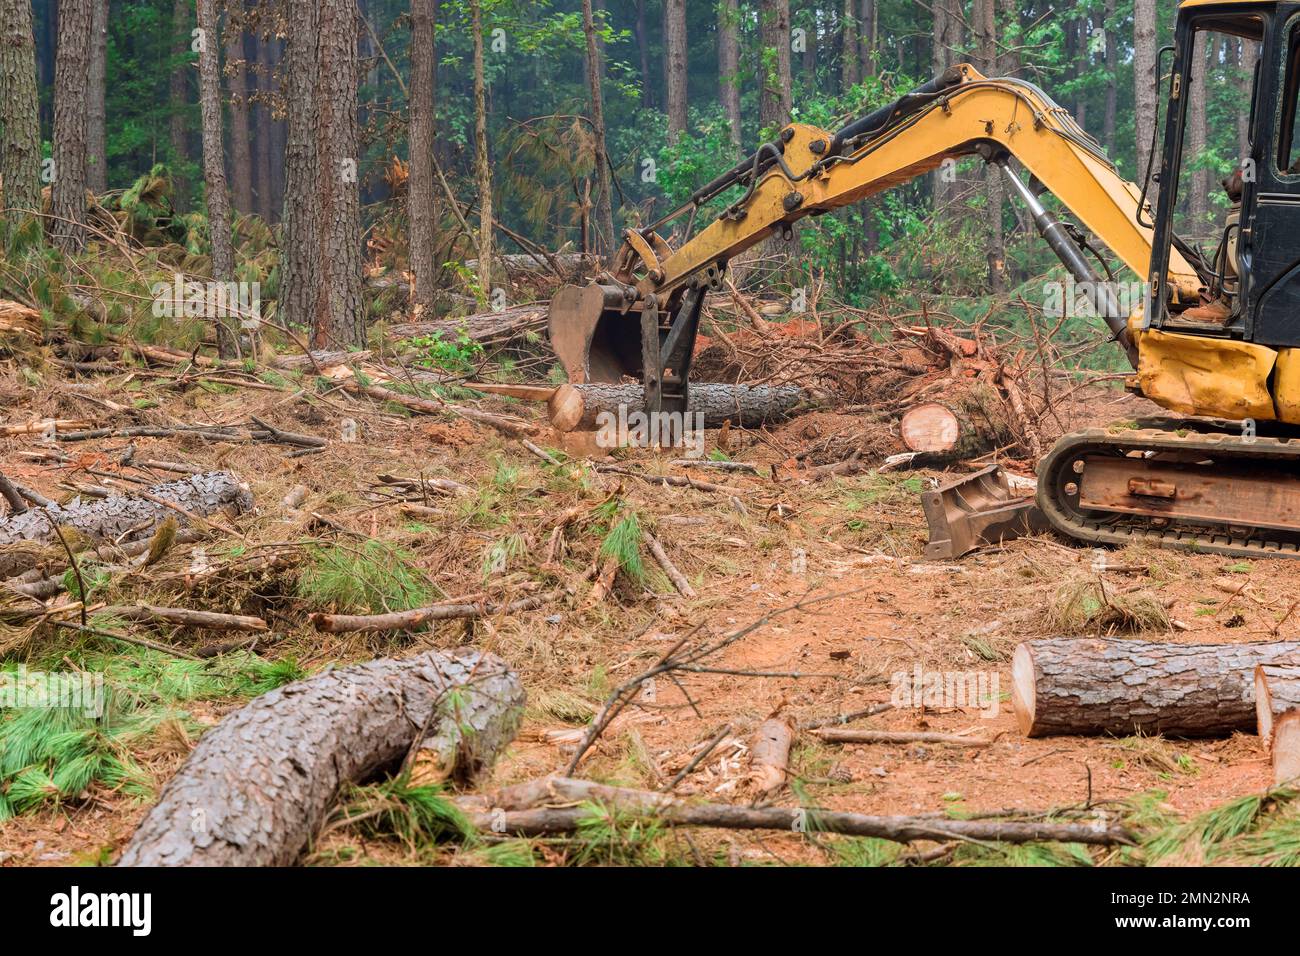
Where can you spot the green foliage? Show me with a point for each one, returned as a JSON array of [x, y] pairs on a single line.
[[416, 814], [371, 579], [459, 354], [622, 542]]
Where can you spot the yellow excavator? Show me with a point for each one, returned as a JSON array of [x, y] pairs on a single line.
[[1214, 338]]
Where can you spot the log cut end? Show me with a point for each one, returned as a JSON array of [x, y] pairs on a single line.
[[1286, 748], [1023, 689], [930, 428], [565, 408], [1263, 708]]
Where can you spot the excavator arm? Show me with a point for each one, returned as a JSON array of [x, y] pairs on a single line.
[[639, 318]]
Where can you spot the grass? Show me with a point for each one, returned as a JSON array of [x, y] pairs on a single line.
[[1088, 605], [372, 579]]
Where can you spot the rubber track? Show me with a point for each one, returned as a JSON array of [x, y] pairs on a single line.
[[1263, 542]]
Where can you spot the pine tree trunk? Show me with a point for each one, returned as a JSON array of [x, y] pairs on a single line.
[[241, 153], [302, 209], [985, 16], [182, 24], [341, 323], [1112, 87], [1144, 85], [775, 97], [849, 65], [76, 18], [943, 53], [675, 66], [268, 202], [867, 31], [1196, 178], [482, 171], [20, 152], [643, 46], [216, 192], [1247, 55], [96, 134], [421, 208], [605, 244], [729, 70]]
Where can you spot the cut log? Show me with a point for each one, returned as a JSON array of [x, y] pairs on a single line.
[[1286, 748], [1099, 686], [119, 517], [970, 420], [577, 407], [930, 427], [257, 786], [1277, 690], [843, 735], [770, 755]]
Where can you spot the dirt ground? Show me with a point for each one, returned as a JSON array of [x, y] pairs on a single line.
[[851, 543]]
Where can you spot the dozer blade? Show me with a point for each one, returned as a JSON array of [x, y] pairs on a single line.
[[975, 511], [595, 336]]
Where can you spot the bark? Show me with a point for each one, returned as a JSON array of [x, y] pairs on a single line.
[[259, 784], [417, 618], [604, 221], [68, 202], [775, 99], [96, 134], [482, 171], [729, 70], [575, 407], [1248, 53], [241, 152], [1277, 690], [1144, 86], [121, 517], [421, 208], [216, 193], [182, 24], [675, 70], [20, 151], [1099, 686]]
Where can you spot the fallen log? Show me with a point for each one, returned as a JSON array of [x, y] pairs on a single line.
[[649, 806], [257, 786], [1099, 686], [483, 327], [417, 618], [577, 407], [836, 735], [119, 517], [185, 617], [507, 425]]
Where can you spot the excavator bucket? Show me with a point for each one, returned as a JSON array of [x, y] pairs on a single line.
[[975, 511], [596, 337]]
